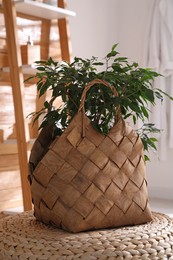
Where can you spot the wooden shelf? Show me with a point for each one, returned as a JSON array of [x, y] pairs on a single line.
[[11, 145], [41, 10], [28, 69]]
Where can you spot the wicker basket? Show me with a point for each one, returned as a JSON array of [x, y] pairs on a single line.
[[84, 180]]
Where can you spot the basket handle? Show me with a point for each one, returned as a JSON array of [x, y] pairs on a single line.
[[83, 97]]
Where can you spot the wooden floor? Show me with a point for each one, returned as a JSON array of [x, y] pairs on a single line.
[[10, 185]]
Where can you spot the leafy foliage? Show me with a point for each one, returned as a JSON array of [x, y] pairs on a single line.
[[148, 141], [68, 80]]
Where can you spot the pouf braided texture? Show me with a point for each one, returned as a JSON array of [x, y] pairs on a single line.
[[23, 237]]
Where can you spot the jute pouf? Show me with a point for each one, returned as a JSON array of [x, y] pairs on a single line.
[[23, 237]]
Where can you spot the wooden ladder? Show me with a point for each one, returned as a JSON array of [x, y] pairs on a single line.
[[17, 80]]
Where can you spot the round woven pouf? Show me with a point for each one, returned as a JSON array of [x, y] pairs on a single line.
[[23, 237]]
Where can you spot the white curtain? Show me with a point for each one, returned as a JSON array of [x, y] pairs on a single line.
[[158, 55]]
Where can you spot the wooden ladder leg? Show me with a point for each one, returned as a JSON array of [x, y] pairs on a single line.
[[45, 39], [18, 97], [63, 34], [44, 55]]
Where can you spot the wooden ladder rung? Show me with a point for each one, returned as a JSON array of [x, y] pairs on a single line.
[[11, 145]]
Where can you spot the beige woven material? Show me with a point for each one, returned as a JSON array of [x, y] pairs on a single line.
[[22, 237], [86, 180]]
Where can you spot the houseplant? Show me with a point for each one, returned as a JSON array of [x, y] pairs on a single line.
[[87, 167]]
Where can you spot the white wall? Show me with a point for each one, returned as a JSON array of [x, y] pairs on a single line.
[[93, 30], [160, 176], [132, 25], [98, 25]]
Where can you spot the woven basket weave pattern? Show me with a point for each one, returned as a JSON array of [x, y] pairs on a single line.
[[91, 182]]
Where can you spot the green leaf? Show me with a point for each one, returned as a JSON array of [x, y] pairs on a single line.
[[114, 46], [37, 117], [134, 120], [43, 124], [149, 94], [40, 68], [119, 59], [166, 94], [146, 158], [46, 104], [145, 112], [153, 139], [40, 62], [39, 85], [112, 54], [98, 63], [134, 106], [135, 64], [44, 88]]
